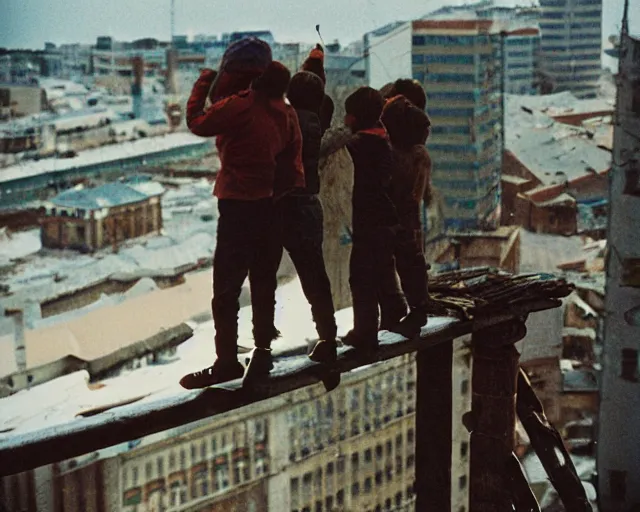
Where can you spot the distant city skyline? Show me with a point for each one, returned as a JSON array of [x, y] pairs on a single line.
[[31, 23]]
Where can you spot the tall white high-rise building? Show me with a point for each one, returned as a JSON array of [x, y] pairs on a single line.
[[571, 45]]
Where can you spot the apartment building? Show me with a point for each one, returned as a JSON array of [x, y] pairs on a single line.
[[571, 45], [459, 63]]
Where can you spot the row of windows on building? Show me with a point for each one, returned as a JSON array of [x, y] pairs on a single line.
[[565, 3], [568, 36], [331, 502], [215, 463], [567, 25], [559, 15], [448, 40], [373, 468], [359, 409]]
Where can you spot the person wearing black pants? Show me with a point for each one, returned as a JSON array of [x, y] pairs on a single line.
[[299, 223]]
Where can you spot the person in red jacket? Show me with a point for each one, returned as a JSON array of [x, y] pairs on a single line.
[[256, 131]]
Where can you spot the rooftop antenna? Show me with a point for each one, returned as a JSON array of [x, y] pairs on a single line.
[[625, 18], [173, 20], [320, 35]]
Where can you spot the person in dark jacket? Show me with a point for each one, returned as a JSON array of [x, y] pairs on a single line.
[[408, 127], [300, 221], [256, 132], [374, 219], [314, 63]]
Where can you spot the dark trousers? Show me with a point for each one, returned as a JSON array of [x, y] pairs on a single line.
[[371, 277], [411, 268], [244, 242], [300, 227]]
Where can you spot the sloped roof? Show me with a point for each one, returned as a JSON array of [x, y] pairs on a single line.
[[554, 152], [104, 196]]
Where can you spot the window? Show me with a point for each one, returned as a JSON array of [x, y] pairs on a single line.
[[368, 455], [148, 470], [172, 461], [318, 506], [340, 465], [378, 477], [330, 468], [183, 459], [367, 485], [379, 452], [618, 485], [632, 177], [398, 499], [355, 489], [193, 452], [328, 503], [464, 449], [340, 498], [355, 463], [462, 482], [410, 436], [629, 365], [203, 450], [389, 448], [387, 504], [411, 459], [464, 387], [134, 476]]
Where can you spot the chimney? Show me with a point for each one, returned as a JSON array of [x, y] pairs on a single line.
[[136, 87], [172, 63]]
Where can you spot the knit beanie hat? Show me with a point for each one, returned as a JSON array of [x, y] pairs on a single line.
[[314, 63]]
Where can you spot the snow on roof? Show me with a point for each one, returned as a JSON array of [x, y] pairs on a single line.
[[149, 188], [59, 400], [541, 252], [552, 151], [574, 298], [96, 198], [101, 155]]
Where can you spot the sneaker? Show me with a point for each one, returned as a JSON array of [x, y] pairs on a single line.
[[360, 343], [259, 367], [325, 351], [221, 371], [411, 325]]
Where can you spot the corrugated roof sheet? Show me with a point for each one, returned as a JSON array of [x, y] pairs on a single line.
[[552, 151]]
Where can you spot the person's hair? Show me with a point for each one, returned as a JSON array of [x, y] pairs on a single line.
[[274, 81], [365, 105], [306, 91], [412, 90]]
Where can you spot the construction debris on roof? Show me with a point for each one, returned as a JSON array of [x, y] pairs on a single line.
[[469, 292]]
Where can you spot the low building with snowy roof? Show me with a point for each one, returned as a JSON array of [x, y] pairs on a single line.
[[91, 218]]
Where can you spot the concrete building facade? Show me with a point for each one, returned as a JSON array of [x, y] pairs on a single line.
[[571, 45], [618, 435]]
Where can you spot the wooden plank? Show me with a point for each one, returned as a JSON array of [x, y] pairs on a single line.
[[434, 429]]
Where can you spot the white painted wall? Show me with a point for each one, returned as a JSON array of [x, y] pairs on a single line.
[[389, 56]]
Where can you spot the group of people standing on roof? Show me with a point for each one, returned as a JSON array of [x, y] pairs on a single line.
[[270, 130]]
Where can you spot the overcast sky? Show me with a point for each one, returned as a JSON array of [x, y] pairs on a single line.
[[29, 23]]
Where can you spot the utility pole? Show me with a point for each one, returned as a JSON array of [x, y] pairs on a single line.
[[173, 21]]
